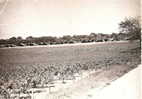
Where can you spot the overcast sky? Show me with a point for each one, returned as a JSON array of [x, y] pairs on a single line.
[[63, 17]]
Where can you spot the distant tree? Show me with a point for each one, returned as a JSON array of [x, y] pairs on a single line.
[[92, 37], [3, 41], [114, 36], [12, 40], [50, 39], [99, 37], [66, 39], [93, 34], [132, 27], [19, 38], [121, 36], [45, 40], [76, 38], [29, 38], [82, 38], [19, 41]]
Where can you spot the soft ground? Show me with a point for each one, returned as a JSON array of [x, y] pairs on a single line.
[[109, 61], [127, 87], [101, 85]]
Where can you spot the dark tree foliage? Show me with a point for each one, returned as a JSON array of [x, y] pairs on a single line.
[[131, 27]]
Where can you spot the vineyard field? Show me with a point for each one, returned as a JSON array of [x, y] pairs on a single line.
[[25, 68]]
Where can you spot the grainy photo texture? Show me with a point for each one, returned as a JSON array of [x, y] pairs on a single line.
[[70, 49]]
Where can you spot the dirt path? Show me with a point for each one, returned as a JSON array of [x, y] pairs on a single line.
[[127, 87], [95, 81]]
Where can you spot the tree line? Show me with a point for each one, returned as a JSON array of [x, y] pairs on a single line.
[[67, 39], [130, 29]]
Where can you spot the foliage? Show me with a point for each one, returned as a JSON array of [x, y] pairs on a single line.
[[59, 63], [67, 39], [132, 27]]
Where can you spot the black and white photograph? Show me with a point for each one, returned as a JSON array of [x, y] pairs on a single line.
[[70, 49]]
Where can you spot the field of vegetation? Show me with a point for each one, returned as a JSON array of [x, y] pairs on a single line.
[[24, 68]]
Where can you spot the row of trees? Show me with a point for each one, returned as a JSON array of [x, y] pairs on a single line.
[[31, 41], [130, 29]]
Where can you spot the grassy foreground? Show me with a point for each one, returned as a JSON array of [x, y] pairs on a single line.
[[25, 68]]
